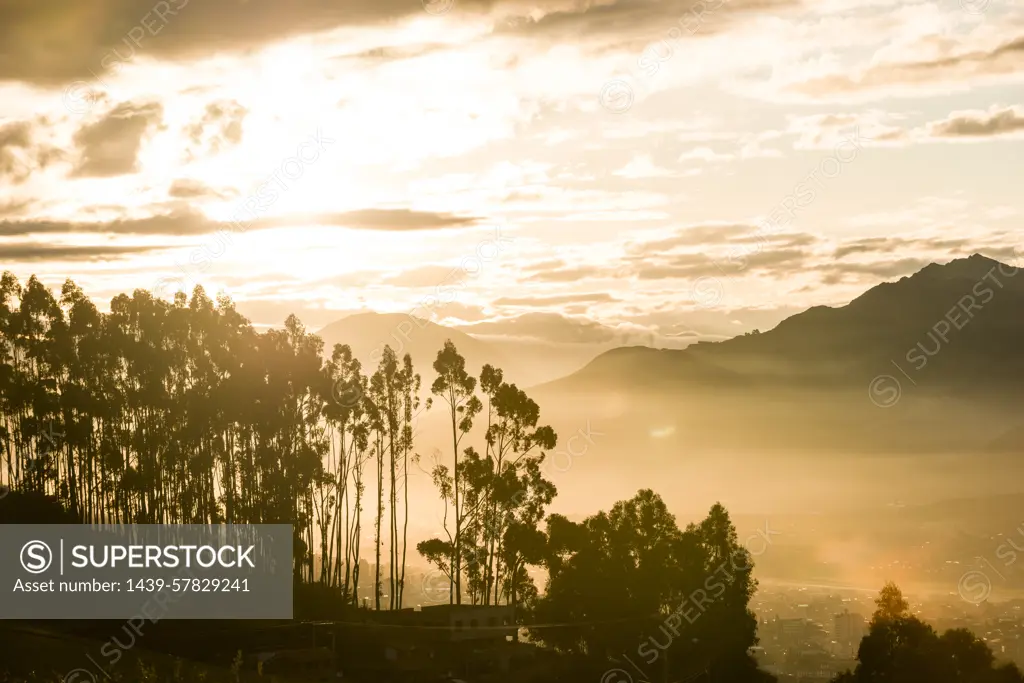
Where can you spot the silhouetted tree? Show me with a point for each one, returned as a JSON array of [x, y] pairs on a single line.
[[455, 387], [900, 647], [630, 583]]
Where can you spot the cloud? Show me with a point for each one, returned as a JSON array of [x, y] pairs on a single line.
[[20, 153], [556, 270], [220, 127], [188, 188], [642, 166], [425, 276], [835, 273], [705, 154], [457, 311], [392, 53], [97, 35], [875, 129], [398, 220], [180, 223], [190, 223], [39, 251], [831, 131], [726, 248], [646, 19], [110, 147], [1003, 59], [14, 207], [540, 301], [549, 327], [995, 122], [888, 245], [777, 263], [694, 235], [14, 141]]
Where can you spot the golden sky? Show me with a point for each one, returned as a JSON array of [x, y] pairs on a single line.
[[627, 161]]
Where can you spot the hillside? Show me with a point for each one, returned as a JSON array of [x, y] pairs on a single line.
[[368, 333], [525, 361], [945, 325], [932, 361]]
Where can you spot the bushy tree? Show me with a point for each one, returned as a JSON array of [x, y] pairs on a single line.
[[900, 648], [496, 497], [629, 583]]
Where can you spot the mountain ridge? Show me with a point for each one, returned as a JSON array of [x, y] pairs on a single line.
[[917, 317]]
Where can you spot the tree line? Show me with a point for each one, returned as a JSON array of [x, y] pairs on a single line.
[[181, 412]]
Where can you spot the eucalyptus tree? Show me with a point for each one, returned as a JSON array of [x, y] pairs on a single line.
[[180, 411], [516, 491], [409, 383], [456, 387], [382, 406], [346, 421]]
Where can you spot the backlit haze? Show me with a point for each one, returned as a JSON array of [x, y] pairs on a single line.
[[553, 178]]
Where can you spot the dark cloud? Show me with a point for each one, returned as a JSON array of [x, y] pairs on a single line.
[[650, 21], [219, 127], [21, 153], [39, 251], [980, 124], [58, 41], [378, 219], [110, 146], [178, 223], [189, 223], [14, 142]]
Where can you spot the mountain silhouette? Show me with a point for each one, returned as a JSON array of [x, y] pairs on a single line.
[[525, 363], [946, 325], [934, 360]]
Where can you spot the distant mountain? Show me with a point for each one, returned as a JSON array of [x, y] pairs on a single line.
[[523, 362], [951, 324], [934, 360], [531, 348], [368, 333]]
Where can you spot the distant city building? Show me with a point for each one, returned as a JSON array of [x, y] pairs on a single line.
[[850, 627]]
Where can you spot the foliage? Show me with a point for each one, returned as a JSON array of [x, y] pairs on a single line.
[[900, 647], [496, 498], [180, 412], [630, 583]]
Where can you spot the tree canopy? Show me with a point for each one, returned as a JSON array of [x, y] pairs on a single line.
[[900, 648], [629, 584]]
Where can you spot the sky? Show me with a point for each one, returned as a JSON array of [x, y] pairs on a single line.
[[632, 162]]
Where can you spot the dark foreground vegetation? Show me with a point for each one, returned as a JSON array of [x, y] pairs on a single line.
[[900, 647], [181, 412]]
